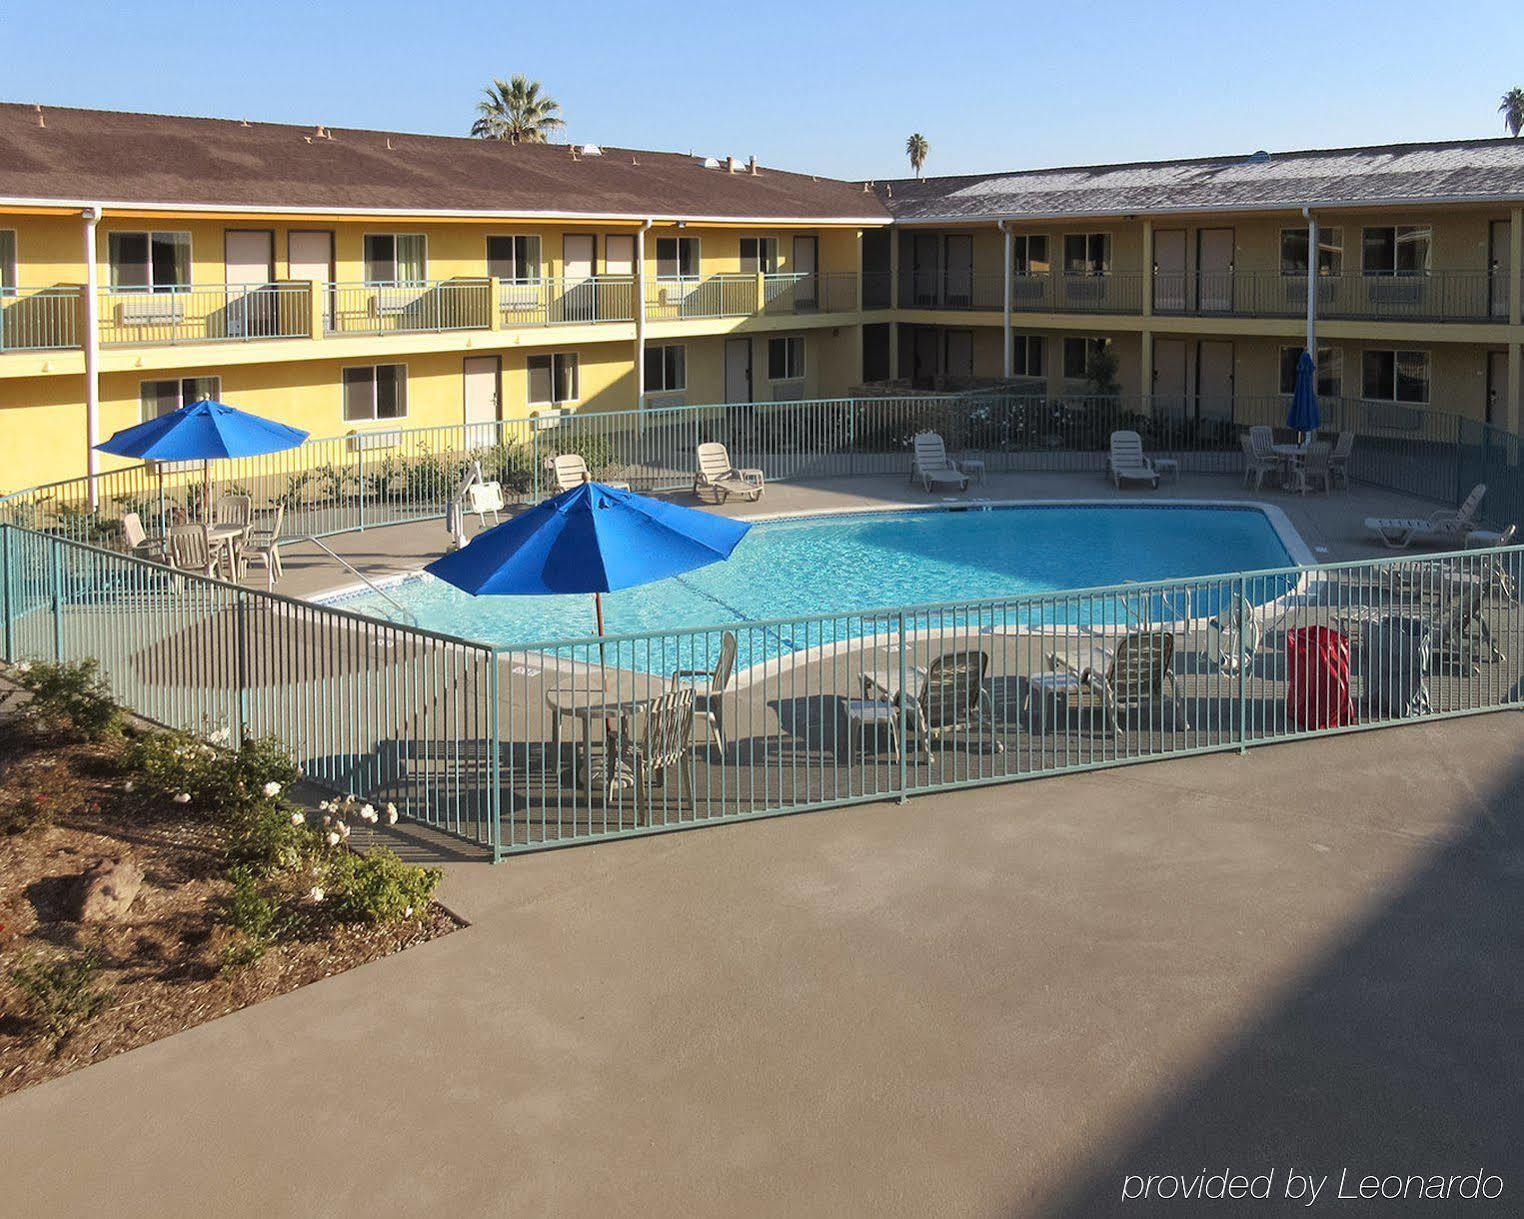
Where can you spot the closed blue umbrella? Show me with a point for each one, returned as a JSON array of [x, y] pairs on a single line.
[[1303, 417], [203, 431], [591, 539]]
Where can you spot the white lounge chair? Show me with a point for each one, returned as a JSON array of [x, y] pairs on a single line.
[[949, 695], [1445, 528], [571, 471], [1137, 672], [1128, 461], [718, 479], [931, 464]]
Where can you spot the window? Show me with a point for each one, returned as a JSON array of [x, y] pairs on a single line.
[[1077, 354], [666, 368], [1330, 370], [619, 254], [1294, 251], [785, 358], [151, 262], [1087, 253], [1395, 376], [7, 260], [677, 257], [759, 255], [163, 397], [514, 260], [1026, 355], [1396, 250], [1029, 254], [379, 392], [395, 258], [553, 379]]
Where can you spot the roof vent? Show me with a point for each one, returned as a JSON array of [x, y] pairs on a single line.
[[41, 122], [1259, 157], [591, 150], [751, 165], [322, 132], [709, 163]]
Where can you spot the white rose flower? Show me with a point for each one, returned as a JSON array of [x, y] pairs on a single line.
[[272, 789], [24, 667], [129, 786], [391, 814], [331, 838], [343, 829], [298, 818], [182, 798], [317, 893], [408, 913]]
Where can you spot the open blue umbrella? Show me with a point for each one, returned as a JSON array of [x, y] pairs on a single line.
[[591, 539], [203, 431], [1303, 416]]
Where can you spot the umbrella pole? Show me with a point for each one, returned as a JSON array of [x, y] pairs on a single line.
[[206, 492]]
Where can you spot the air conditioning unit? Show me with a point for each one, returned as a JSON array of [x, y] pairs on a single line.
[[363, 442], [656, 402], [150, 309]]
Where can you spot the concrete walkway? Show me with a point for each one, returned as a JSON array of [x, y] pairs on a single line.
[[992, 1003]]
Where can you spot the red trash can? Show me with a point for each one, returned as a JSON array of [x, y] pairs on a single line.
[[1317, 678]]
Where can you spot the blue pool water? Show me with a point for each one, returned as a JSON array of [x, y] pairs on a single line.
[[850, 563]]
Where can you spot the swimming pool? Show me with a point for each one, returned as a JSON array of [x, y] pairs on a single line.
[[848, 563]]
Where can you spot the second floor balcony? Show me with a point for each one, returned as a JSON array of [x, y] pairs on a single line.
[[1408, 296], [46, 319]]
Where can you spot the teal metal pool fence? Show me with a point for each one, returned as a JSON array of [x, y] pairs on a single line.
[[382, 474], [524, 748]]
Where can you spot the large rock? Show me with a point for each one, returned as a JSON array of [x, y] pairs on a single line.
[[106, 891]]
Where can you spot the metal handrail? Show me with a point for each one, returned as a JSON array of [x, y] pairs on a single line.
[[407, 614]]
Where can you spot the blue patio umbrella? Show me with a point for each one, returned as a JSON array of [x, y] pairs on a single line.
[[591, 539], [203, 431], [1303, 416]]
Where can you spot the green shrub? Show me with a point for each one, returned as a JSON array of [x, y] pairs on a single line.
[[251, 914], [378, 887], [71, 698], [61, 994]]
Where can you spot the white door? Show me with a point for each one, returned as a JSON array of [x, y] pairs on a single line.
[[958, 353], [1170, 388], [737, 370], [1214, 270], [578, 254], [1497, 388], [310, 255], [250, 258], [1169, 271], [1214, 379], [483, 395], [1499, 261], [806, 261]]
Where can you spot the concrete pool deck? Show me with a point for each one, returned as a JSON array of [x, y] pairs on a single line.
[[1333, 522], [988, 1003]]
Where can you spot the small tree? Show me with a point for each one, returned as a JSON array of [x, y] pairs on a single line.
[[1512, 110], [916, 148], [517, 111], [1101, 368]]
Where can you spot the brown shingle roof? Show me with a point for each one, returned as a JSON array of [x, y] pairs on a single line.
[[116, 157]]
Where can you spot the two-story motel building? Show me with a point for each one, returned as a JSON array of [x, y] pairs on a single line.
[[357, 281]]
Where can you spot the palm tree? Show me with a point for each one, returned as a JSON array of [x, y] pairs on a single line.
[[916, 149], [515, 110], [1512, 111]]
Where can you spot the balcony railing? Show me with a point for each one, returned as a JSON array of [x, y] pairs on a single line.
[[42, 319], [1426, 296], [1042, 292], [557, 302], [410, 308], [140, 316]]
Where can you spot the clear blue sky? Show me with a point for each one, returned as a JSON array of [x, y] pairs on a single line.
[[832, 88]]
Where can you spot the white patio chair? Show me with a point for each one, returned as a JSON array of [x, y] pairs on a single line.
[[1447, 527], [931, 464], [262, 545], [1128, 461], [719, 479]]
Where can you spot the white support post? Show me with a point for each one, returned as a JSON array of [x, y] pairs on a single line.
[[1312, 284], [90, 342], [640, 314], [1007, 355]]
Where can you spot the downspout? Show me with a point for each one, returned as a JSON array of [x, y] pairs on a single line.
[[90, 342], [1007, 355], [640, 314]]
